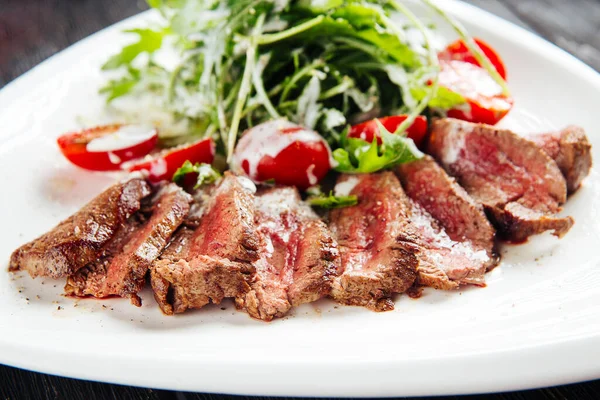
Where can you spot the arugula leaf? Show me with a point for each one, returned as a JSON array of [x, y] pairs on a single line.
[[444, 98], [186, 168], [319, 6], [206, 173], [359, 15], [329, 27], [332, 201], [149, 41], [117, 88], [358, 156], [122, 86], [166, 3], [388, 43], [155, 3]]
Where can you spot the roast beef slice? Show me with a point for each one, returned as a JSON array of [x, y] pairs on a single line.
[[377, 244], [298, 257], [457, 238], [572, 152], [500, 170], [122, 272], [210, 259], [81, 239]]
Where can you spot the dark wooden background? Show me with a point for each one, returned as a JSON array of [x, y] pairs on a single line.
[[33, 30]]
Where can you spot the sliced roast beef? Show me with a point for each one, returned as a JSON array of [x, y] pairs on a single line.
[[212, 261], [519, 185], [572, 152], [298, 257], [377, 244], [198, 282], [317, 263], [179, 246], [457, 238], [227, 228], [122, 270], [445, 263], [81, 238]]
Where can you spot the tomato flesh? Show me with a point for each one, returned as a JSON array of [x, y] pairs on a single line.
[[458, 51], [486, 103], [283, 152], [369, 129], [164, 165], [74, 146]]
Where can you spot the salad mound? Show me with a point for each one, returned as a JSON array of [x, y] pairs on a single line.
[[321, 64]]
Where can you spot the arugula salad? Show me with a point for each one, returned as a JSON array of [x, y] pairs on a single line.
[[285, 91]]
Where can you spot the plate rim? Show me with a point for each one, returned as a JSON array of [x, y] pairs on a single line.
[[510, 363]]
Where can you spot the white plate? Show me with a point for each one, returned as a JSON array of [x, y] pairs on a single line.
[[536, 324]]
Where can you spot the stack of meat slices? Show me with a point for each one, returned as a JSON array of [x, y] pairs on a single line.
[[456, 237], [377, 243], [429, 223], [213, 258], [521, 183], [107, 247]]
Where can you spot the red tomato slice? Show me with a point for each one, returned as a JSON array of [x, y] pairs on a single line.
[[458, 51], [284, 152], [164, 165], [369, 129], [486, 103], [105, 148]]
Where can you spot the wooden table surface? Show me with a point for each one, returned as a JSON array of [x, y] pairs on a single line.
[[32, 30]]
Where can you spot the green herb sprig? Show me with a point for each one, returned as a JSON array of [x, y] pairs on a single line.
[[359, 156], [331, 201], [206, 173]]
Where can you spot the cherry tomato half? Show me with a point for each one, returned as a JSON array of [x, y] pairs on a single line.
[[105, 148], [164, 165], [284, 152], [369, 129], [458, 51], [486, 103]]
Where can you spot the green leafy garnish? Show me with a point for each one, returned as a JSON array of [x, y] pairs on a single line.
[[149, 41], [359, 156], [122, 86], [332, 201], [318, 63], [206, 173], [444, 98]]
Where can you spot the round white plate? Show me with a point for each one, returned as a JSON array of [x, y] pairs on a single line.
[[536, 324]]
